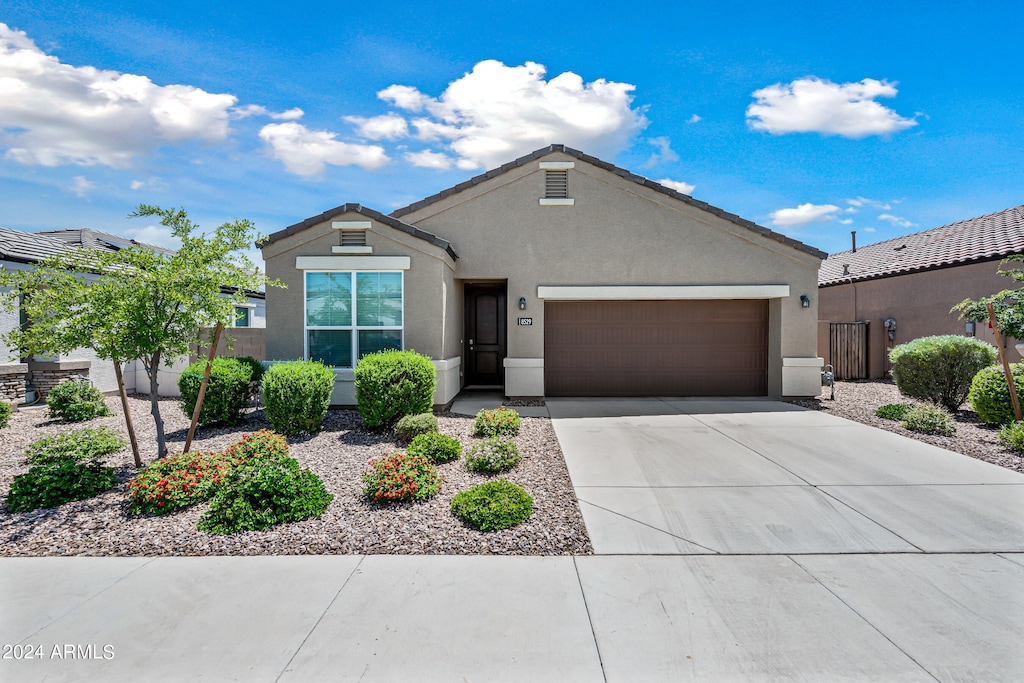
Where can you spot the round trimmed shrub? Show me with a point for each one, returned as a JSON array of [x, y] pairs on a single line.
[[892, 411], [409, 427], [5, 413], [273, 492], [497, 422], [396, 477], [88, 443], [493, 505], [232, 384], [990, 395], [929, 419], [940, 368], [257, 447], [436, 447], [53, 484], [296, 396], [492, 454], [390, 384], [76, 401]]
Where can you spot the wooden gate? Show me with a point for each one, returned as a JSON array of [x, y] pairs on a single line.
[[848, 344]]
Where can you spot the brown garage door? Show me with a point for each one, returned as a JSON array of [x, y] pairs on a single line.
[[656, 348]]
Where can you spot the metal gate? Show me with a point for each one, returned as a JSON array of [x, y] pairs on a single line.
[[848, 345]]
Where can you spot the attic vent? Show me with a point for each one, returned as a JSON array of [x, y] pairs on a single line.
[[556, 184], [900, 248], [353, 238], [846, 269]]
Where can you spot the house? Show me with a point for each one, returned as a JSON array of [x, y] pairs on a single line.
[[557, 274], [20, 250], [913, 281]]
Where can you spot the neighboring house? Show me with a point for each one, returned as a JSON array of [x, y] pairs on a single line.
[[914, 280], [557, 274], [20, 250]]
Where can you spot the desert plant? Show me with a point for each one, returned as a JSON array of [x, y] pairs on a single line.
[[939, 369], [892, 411], [5, 413], [397, 477], [76, 401], [436, 447], [390, 384], [78, 444], [176, 482], [272, 492], [409, 427], [256, 447], [497, 422], [929, 419], [492, 454], [228, 393], [990, 395], [296, 396], [493, 505], [59, 482], [1012, 436]]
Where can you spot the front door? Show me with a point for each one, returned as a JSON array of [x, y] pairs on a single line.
[[485, 334]]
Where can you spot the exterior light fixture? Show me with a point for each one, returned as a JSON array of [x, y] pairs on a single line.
[[805, 302], [522, 303]]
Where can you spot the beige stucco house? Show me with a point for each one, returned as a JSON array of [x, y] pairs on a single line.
[[557, 274]]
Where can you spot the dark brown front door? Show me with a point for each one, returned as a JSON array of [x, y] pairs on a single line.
[[485, 334]]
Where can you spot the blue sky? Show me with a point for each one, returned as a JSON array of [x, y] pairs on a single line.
[[809, 118]]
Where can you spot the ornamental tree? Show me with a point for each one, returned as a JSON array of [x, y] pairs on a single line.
[[1007, 304], [135, 303]]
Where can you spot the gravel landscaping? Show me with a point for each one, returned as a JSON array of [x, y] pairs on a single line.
[[857, 401], [351, 525]]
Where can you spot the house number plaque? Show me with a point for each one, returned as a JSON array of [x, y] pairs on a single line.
[[526, 321]]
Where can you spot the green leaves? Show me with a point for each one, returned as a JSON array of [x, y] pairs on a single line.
[[1008, 304], [59, 482], [493, 505]]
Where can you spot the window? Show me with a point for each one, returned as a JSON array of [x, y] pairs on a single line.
[[242, 316], [352, 314]]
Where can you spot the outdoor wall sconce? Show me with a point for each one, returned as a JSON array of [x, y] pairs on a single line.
[[804, 301], [522, 303]]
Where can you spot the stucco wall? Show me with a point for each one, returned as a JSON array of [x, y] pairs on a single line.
[[919, 302], [8, 321]]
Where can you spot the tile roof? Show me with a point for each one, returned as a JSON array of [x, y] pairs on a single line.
[[94, 239], [628, 175], [363, 211], [975, 239], [28, 247]]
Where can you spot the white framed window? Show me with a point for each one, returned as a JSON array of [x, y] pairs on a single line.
[[349, 314]]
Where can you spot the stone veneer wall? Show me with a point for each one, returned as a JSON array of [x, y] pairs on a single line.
[[12, 382], [47, 375]]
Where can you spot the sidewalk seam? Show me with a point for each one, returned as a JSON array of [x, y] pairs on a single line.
[[590, 619]]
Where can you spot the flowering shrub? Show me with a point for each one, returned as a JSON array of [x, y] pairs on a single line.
[[496, 422], [435, 447], [5, 413], [493, 454], [257, 446], [401, 477], [59, 482], [493, 505], [892, 411], [269, 492], [77, 444], [409, 427], [76, 401], [176, 482]]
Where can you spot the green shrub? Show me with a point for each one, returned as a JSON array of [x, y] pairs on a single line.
[[892, 411], [929, 419], [493, 505], [77, 444], [257, 447], [410, 426], [76, 401], [990, 395], [390, 384], [492, 454], [296, 396], [939, 369], [272, 492], [229, 391], [497, 422], [177, 482], [5, 413], [1012, 436], [396, 477], [59, 482], [436, 447]]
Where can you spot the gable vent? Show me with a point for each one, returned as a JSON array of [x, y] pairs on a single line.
[[353, 238], [556, 184]]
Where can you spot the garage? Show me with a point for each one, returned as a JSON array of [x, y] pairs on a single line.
[[656, 348]]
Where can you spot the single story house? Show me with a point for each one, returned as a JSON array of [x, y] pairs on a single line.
[[557, 274], [912, 282]]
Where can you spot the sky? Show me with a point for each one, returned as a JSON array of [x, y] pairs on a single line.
[[813, 119]]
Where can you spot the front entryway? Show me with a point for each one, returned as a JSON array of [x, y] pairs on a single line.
[[485, 334]]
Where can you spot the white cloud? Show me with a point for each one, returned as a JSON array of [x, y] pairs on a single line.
[[864, 201], [846, 221], [81, 186], [804, 214], [677, 185], [665, 153], [387, 127], [153, 184], [497, 112], [305, 152], [813, 105], [694, 119], [53, 113], [138, 184], [428, 159], [157, 235], [870, 230], [897, 220], [258, 110]]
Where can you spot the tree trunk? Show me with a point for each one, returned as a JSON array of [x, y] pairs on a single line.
[[154, 402], [127, 413]]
